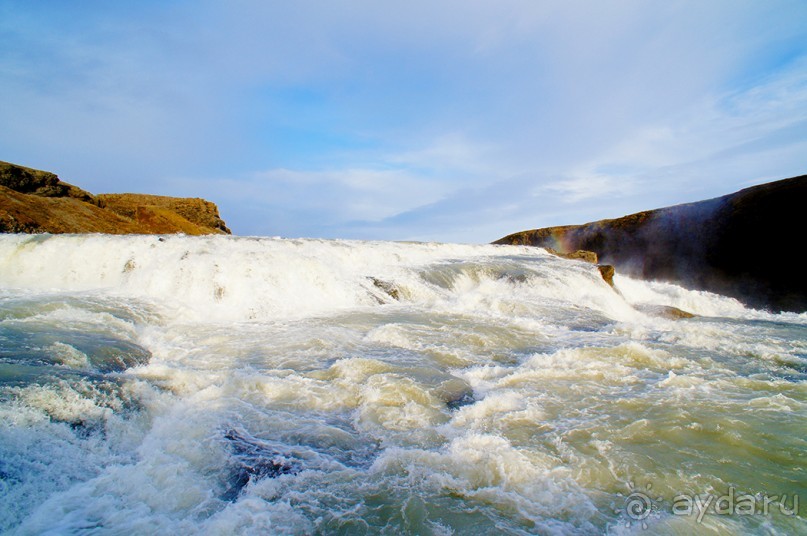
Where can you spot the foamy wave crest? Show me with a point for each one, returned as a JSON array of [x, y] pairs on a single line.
[[224, 385], [241, 279]]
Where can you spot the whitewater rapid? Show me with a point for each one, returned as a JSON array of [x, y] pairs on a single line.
[[223, 385]]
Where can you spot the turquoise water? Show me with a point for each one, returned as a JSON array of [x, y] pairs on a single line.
[[225, 385]]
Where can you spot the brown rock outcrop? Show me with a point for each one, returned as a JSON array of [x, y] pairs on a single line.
[[607, 272], [731, 245], [41, 183], [579, 255], [27, 213], [34, 201], [150, 208]]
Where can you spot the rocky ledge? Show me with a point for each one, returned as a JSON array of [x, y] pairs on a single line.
[[34, 201], [739, 245]]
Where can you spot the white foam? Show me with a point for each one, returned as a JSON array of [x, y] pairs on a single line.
[[206, 279], [419, 387]]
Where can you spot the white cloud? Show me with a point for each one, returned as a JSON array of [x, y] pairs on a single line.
[[417, 117], [597, 187]]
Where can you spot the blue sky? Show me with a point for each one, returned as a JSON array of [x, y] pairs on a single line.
[[452, 121]]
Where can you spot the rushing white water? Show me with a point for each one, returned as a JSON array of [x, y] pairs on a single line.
[[220, 385]]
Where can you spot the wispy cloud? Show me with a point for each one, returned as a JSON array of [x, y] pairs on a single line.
[[458, 120]]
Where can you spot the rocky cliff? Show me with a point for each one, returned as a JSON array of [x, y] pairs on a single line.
[[34, 201], [740, 245]]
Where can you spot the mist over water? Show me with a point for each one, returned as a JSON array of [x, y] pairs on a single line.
[[221, 385]]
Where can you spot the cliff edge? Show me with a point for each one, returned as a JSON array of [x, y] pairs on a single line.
[[35, 201], [739, 245]]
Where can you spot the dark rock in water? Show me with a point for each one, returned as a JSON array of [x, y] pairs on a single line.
[[85, 429], [256, 460], [665, 311], [725, 245], [6, 476], [579, 255], [512, 275], [390, 289], [456, 393], [607, 272], [515, 278], [466, 399]]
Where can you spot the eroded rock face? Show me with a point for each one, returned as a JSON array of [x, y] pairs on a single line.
[[28, 213], [26, 180], [195, 210], [579, 255], [607, 272], [34, 201], [41, 183], [724, 245]]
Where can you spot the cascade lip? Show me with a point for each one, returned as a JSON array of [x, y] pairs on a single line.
[[702, 245], [224, 279]]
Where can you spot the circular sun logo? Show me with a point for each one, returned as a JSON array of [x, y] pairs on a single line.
[[638, 505]]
